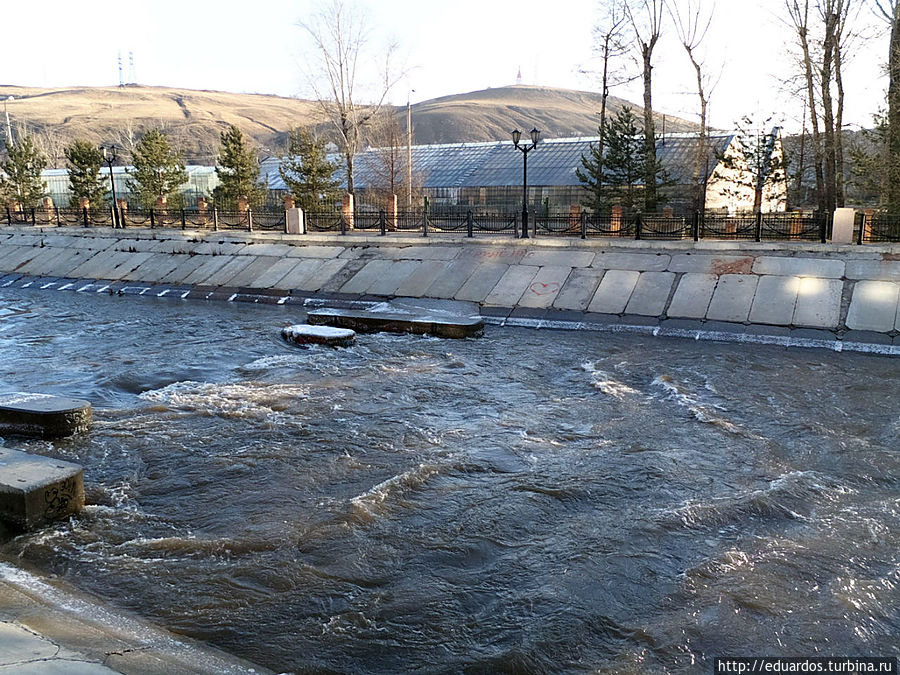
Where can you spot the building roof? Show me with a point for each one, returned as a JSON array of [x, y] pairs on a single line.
[[498, 164]]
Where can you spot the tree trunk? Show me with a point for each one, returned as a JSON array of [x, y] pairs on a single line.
[[650, 198], [893, 144], [828, 109], [839, 126]]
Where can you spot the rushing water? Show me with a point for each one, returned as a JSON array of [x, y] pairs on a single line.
[[526, 502]]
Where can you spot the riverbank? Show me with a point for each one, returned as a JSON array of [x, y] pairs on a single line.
[[821, 295]]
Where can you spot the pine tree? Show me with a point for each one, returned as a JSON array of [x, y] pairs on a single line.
[[624, 161], [85, 181], [307, 172], [593, 177], [20, 174], [158, 170], [238, 171]]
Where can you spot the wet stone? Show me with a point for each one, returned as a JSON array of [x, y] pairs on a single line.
[[304, 333], [35, 490], [43, 415]]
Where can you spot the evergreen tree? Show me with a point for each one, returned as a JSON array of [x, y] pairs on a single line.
[[20, 174], [238, 171], [593, 177], [85, 181], [625, 165], [307, 172], [158, 170]]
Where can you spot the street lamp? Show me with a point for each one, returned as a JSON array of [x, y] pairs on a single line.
[[525, 148], [109, 155], [8, 125]]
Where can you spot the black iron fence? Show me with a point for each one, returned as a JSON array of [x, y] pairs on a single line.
[[211, 219], [877, 227], [869, 227]]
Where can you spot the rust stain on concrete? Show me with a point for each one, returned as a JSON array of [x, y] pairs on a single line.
[[721, 266]]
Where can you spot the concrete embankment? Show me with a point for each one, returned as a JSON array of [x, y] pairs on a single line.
[[840, 297]]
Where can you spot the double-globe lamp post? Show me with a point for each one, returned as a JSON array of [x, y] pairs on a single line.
[[109, 155], [525, 148]]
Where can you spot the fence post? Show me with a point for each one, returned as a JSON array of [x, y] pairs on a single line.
[[823, 229], [183, 223], [534, 227], [152, 221], [470, 224], [583, 219], [285, 222], [425, 224], [696, 226], [84, 215], [637, 226], [758, 226], [343, 224], [215, 219], [249, 219], [33, 223], [56, 208], [859, 240], [122, 222], [381, 222], [8, 216]]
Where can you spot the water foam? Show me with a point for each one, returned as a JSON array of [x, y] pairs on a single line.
[[230, 400], [605, 383]]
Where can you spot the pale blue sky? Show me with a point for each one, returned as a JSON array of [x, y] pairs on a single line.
[[449, 47]]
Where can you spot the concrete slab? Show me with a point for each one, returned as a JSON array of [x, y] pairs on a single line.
[[186, 265], [873, 306], [818, 303], [209, 266], [251, 272], [650, 294], [298, 251], [173, 246], [564, 258], [129, 263], [450, 319], [799, 267], [224, 275], [63, 265], [218, 247], [874, 270], [732, 298], [320, 276], [425, 253], [578, 289], [18, 257], [699, 263], [614, 292], [511, 286], [775, 301], [545, 287], [693, 295], [157, 267], [636, 262], [396, 274], [18, 645], [301, 270], [46, 258], [452, 278], [275, 273], [265, 249], [508, 255], [481, 282], [418, 282], [373, 271], [35, 490]]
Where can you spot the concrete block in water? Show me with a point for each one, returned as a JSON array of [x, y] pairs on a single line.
[[303, 333], [35, 490], [443, 318], [43, 415]]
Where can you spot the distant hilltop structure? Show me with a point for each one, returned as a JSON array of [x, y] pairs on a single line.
[[519, 76]]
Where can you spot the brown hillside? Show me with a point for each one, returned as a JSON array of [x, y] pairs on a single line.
[[194, 119]]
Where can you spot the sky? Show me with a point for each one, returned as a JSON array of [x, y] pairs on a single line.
[[447, 47]]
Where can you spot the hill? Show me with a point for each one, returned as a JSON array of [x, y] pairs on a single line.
[[194, 119]]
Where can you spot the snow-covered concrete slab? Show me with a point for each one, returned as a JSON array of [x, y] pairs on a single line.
[[614, 292], [693, 295], [874, 306], [732, 298], [650, 294], [775, 300], [451, 319], [818, 303], [304, 333]]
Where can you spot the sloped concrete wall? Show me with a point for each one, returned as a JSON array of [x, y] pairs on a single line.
[[836, 288]]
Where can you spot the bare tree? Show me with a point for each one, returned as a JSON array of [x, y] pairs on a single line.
[[692, 25], [890, 11], [340, 35], [646, 19]]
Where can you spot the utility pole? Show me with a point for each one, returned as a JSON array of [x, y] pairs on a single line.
[[408, 151]]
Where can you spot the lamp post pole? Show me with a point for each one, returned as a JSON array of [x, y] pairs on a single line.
[[110, 156], [525, 148]]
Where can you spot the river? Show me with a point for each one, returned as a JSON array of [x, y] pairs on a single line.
[[525, 502]]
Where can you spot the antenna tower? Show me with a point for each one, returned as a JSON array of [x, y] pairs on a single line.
[[132, 77], [121, 74]]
